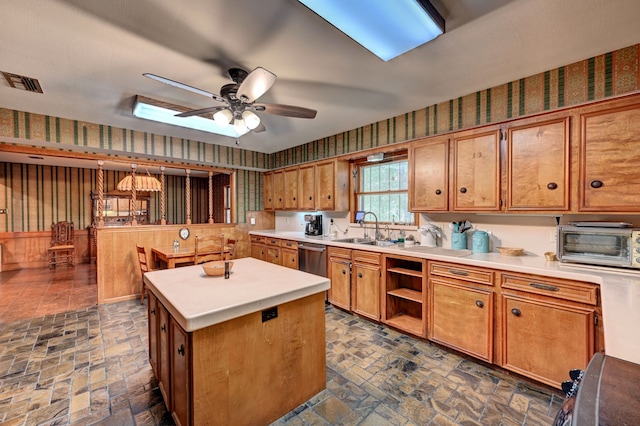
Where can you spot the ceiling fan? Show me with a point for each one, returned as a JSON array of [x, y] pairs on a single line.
[[238, 99]]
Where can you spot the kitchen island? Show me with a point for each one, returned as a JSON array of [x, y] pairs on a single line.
[[243, 350]]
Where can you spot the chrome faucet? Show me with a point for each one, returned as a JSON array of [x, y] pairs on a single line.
[[378, 235]]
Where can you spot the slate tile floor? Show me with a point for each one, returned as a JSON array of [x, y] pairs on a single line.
[[90, 366]]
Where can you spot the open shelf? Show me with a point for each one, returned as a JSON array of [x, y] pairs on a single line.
[[405, 271], [406, 322], [406, 293]]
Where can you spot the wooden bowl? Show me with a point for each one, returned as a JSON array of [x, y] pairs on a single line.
[[215, 268], [510, 251]]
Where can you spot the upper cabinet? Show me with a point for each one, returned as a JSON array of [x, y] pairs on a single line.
[[429, 176], [538, 165], [313, 186], [610, 157], [476, 170], [332, 185]]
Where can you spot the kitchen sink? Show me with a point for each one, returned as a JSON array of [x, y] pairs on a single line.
[[356, 240]]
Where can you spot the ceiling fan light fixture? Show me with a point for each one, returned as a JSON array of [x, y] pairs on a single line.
[[223, 117], [250, 119], [240, 126]]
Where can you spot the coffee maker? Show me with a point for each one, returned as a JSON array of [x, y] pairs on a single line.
[[314, 224]]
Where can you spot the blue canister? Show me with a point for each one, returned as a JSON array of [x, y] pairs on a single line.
[[458, 240], [480, 242]]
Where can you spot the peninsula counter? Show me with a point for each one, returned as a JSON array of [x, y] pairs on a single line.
[[243, 350]]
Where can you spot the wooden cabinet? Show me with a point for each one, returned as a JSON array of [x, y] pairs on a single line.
[[340, 276], [152, 312], [278, 189], [404, 302], [268, 199], [538, 165], [307, 187], [366, 273], [332, 185], [164, 368], [476, 170], [429, 176], [289, 253], [180, 374], [461, 308], [290, 190], [273, 250], [548, 326], [610, 157], [258, 247]]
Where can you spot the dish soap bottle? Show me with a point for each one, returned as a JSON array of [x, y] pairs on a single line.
[[401, 238], [333, 233]]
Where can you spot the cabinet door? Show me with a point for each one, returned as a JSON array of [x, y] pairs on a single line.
[[278, 190], [259, 251], [538, 156], [273, 255], [152, 311], [429, 176], [366, 290], [268, 191], [180, 374], [164, 377], [290, 258], [476, 174], [340, 275], [544, 340], [462, 318], [291, 189], [610, 160], [307, 187], [324, 186]]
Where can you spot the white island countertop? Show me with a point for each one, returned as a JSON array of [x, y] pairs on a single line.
[[197, 301], [619, 288]]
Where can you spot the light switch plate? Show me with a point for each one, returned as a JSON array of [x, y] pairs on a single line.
[[253, 220]]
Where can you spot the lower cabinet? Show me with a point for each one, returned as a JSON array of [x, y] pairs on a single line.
[[180, 374], [340, 276], [461, 308], [365, 283], [548, 326], [164, 368], [405, 296], [258, 247]]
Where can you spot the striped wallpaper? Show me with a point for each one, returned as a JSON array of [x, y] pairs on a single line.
[[59, 192], [607, 75]]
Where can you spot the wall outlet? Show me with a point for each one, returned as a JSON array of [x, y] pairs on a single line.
[[252, 220], [553, 236]]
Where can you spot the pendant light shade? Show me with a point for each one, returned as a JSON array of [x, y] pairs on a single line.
[[144, 183], [250, 119]]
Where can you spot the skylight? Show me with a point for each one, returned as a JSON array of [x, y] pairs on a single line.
[[387, 28], [150, 109]]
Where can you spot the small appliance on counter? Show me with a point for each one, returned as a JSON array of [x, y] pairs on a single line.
[[314, 224], [599, 243]]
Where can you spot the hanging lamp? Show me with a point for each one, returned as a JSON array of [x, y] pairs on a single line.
[[143, 183]]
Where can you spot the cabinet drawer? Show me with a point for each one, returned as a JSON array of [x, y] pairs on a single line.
[[289, 244], [340, 252], [258, 239], [366, 257], [273, 242], [462, 272], [574, 291]]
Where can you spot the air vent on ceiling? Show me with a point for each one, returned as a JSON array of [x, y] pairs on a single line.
[[23, 83]]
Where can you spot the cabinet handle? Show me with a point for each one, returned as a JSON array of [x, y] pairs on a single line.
[[164, 328], [153, 311], [544, 287], [329, 197], [293, 259], [269, 199], [457, 272], [479, 303], [294, 198], [516, 312], [181, 350], [552, 185], [359, 274], [279, 199], [344, 272], [310, 198], [463, 190], [438, 192], [596, 184]]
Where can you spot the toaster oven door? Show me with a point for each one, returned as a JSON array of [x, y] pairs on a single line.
[[607, 247]]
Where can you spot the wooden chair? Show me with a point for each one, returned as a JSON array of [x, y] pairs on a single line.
[[62, 249], [231, 245], [208, 249], [144, 267]]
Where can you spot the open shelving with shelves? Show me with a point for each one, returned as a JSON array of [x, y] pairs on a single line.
[[405, 294]]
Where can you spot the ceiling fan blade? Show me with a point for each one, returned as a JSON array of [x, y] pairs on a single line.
[[260, 128], [184, 86], [286, 110], [255, 84], [202, 111]]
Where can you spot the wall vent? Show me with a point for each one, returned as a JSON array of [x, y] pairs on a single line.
[[23, 83]]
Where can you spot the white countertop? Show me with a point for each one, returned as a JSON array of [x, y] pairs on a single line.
[[197, 301], [619, 289]]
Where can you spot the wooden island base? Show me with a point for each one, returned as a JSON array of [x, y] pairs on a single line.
[[244, 371]]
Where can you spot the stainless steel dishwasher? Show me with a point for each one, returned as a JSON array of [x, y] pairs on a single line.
[[312, 258]]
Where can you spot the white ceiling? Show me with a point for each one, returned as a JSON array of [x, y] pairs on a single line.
[[89, 56]]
